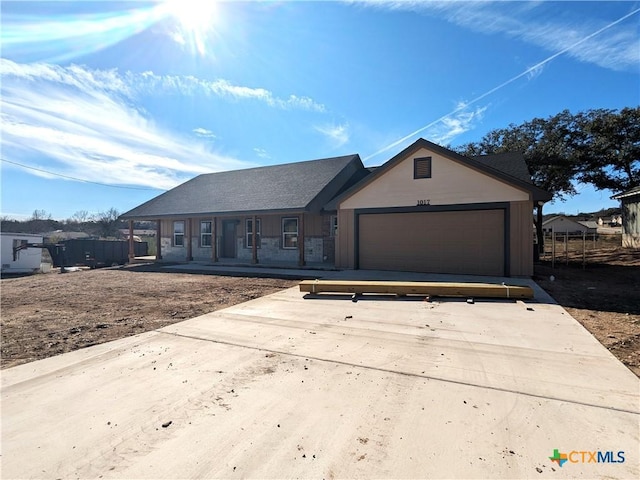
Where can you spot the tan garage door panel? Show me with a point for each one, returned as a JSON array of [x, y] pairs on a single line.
[[470, 242]]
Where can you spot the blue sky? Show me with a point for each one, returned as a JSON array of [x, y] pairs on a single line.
[[107, 104]]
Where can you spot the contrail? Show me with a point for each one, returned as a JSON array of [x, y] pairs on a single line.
[[504, 84]]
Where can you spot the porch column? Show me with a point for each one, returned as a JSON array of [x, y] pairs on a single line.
[[214, 240], [188, 239], [301, 261], [132, 252], [254, 236], [158, 239]]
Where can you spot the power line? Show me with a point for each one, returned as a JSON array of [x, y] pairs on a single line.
[[75, 178]]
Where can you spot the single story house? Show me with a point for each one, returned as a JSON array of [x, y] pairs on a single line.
[[212, 216], [427, 209], [630, 201], [563, 224]]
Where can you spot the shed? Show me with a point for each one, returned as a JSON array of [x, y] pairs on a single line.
[[630, 203]]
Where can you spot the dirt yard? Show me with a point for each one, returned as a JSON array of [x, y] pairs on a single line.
[[45, 315], [604, 296]]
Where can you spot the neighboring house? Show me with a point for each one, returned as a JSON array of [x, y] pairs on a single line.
[[20, 261], [427, 209], [562, 224], [630, 201]]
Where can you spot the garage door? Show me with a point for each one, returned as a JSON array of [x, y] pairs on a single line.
[[465, 242]]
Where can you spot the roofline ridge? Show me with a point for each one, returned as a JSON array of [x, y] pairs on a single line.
[[259, 167]]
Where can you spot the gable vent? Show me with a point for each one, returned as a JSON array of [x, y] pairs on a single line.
[[422, 167]]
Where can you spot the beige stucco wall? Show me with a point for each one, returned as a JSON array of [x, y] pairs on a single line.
[[451, 183]]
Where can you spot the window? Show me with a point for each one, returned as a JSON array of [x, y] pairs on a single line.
[[178, 233], [289, 233], [205, 234], [333, 226], [249, 233], [422, 167]]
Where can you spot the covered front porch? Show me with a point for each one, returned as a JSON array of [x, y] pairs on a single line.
[[285, 240]]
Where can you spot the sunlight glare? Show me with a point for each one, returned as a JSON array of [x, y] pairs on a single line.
[[195, 17]]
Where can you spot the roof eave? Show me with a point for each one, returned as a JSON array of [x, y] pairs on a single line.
[[237, 213]]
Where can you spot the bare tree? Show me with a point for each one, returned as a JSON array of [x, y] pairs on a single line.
[[40, 215], [107, 222], [80, 216]]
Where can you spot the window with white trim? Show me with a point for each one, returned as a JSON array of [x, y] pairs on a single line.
[[290, 232], [249, 232], [178, 233], [205, 234]]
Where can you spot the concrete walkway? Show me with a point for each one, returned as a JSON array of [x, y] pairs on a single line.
[[285, 386]]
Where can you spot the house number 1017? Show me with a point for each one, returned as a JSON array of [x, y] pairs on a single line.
[[423, 202]]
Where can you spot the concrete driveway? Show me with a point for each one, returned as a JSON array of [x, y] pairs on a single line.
[[284, 386]]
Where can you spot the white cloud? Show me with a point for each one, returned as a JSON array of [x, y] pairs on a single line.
[[544, 24], [150, 83], [535, 71], [446, 127], [454, 124], [130, 84], [178, 38], [79, 123], [262, 153], [203, 132], [87, 125], [338, 134]]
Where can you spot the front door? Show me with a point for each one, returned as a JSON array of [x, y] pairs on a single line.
[[229, 239]]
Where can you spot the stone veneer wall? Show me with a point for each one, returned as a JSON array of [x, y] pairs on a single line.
[[169, 252], [270, 250]]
